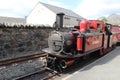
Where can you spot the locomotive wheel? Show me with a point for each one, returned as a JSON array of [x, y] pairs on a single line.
[[86, 57], [51, 65], [103, 51], [54, 64], [114, 46]]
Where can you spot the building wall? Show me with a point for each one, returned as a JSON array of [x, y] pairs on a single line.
[[41, 16], [70, 21], [12, 20]]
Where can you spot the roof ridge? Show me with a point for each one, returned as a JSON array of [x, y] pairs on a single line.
[[57, 9], [54, 5]]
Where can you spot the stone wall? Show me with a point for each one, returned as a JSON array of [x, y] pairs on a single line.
[[14, 41]]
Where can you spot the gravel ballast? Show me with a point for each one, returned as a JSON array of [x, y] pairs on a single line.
[[14, 70]]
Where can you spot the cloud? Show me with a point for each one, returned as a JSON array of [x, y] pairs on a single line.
[[93, 9], [16, 8], [87, 8], [21, 8]]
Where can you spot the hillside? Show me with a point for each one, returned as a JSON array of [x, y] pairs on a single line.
[[114, 19]]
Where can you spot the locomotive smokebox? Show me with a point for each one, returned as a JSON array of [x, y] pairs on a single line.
[[59, 21]]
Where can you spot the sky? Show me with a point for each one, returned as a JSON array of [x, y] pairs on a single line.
[[89, 9]]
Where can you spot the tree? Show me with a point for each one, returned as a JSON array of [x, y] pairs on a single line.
[[104, 19]]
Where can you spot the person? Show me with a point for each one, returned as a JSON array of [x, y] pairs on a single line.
[[55, 25]]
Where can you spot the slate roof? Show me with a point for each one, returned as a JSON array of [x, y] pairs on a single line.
[[59, 10], [12, 20]]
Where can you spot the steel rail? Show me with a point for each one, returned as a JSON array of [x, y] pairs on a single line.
[[6, 62], [29, 74], [51, 76]]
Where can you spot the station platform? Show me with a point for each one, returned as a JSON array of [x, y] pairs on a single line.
[[105, 68]]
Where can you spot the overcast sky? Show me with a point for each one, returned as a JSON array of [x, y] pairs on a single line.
[[90, 9]]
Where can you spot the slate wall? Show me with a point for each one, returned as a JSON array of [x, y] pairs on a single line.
[[15, 41]]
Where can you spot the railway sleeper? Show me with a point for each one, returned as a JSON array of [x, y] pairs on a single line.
[[51, 74]]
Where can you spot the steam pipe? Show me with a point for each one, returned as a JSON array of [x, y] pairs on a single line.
[[66, 63]]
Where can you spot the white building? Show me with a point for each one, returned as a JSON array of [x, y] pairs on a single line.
[[45, 14], [12, 20]]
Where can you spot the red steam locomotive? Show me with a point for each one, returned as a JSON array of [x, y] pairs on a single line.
[[66, 47]]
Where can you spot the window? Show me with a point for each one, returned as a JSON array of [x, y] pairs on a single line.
[[77, 19], [67, 17]]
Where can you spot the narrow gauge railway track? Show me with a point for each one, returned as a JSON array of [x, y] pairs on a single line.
[[48, 74], [6, 62], [44, 74]]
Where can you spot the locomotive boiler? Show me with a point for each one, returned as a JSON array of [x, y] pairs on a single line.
[[67, 46]]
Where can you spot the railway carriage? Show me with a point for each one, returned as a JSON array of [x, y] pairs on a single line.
[[116, 29]]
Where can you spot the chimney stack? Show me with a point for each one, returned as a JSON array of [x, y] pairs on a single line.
[[59, 21]]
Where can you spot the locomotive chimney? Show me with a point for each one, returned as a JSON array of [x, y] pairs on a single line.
[[59, 21]]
